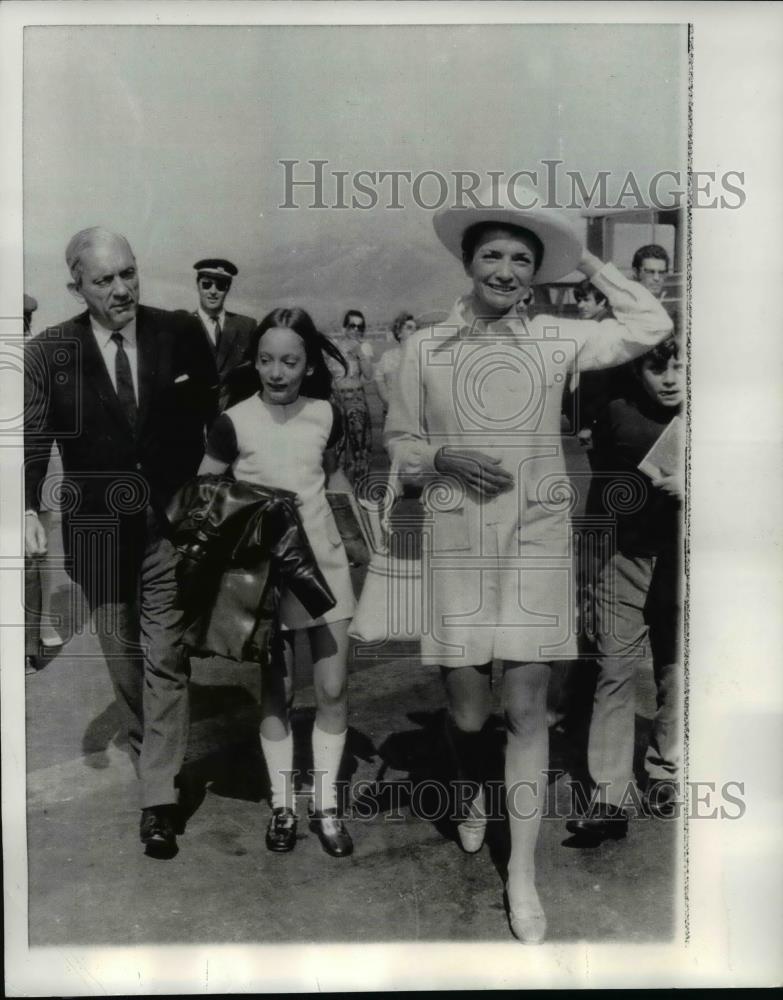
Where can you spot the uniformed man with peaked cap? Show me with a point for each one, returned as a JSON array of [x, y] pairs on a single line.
[[228, 333]]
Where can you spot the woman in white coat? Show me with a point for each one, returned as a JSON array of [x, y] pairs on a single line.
[[475, 417]]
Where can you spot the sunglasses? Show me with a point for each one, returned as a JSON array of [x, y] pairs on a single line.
[[355, 326], [222, 284]]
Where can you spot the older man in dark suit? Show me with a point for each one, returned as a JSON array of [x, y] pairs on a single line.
[[126, 392], [228, 334]]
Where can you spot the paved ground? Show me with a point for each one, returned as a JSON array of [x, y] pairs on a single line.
[[407, 880], [91, 884]]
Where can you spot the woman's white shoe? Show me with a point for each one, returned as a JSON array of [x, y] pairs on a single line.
[[526, 916], [471, 830], [51, 639]]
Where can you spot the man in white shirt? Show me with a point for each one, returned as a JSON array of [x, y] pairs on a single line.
[[126, 396]]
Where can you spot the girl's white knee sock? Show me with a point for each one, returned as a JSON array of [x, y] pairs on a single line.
[[327, 755], [279, 756]]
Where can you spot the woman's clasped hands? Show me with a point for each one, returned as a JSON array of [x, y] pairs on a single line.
[[474, 469]]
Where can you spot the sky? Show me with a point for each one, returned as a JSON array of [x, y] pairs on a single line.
[[174, 136]]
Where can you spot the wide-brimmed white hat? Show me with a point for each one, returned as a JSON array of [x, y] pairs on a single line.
[[562, 244]]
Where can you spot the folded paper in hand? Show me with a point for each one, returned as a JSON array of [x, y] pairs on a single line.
[[665, 456]]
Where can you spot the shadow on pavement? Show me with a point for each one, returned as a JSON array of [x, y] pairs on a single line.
[[104, 730]]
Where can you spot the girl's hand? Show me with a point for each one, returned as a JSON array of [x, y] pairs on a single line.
[[480, 472], [337, 482], [673, 486]]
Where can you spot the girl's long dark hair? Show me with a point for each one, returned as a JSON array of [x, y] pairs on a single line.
[[244, 381]]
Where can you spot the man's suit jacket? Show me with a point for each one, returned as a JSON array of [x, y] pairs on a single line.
[[113, 474], [234, 341]]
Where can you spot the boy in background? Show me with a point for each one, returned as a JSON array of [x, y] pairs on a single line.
[[637, 595]]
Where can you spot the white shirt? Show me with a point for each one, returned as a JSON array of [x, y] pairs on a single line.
[[108, 350], [389, 364], [209, 323]]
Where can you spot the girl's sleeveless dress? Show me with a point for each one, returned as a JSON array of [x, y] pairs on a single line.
[[282, 446]]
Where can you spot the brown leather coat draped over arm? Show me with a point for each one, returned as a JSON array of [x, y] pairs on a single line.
[[238, 545]]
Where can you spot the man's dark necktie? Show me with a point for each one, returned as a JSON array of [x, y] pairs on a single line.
[[124, 381], [217, 333]]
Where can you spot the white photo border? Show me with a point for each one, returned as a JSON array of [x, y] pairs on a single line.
[[736, 685]]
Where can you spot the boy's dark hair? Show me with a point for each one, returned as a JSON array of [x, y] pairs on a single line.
[[660, 354], [472, 235], [585, 288], [318, 385], [652, 251], [399, 322]]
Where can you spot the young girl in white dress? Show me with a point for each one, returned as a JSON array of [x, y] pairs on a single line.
[[285, 436]]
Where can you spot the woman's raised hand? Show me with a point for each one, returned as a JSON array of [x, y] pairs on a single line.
[[589, 263], [474, 469]]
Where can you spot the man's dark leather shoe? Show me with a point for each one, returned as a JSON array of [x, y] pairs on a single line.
[[158, 831], [604, 822], [331, 831]]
